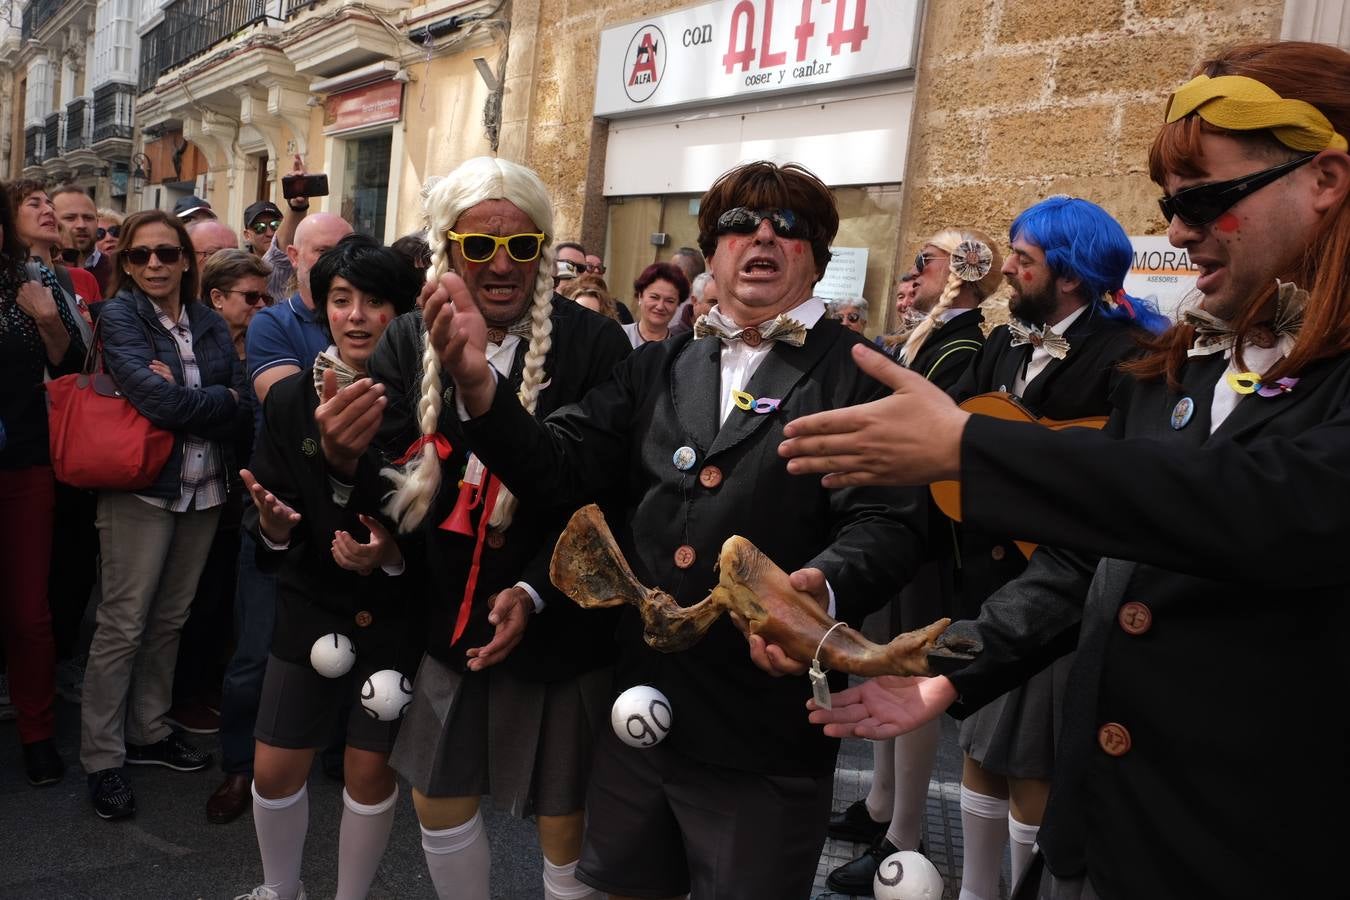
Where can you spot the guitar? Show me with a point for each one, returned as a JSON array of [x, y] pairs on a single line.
[[1001, 405]]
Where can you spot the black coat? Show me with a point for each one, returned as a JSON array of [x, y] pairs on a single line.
[[624, 433], [562, 640], [316, 596], [1211, 632], [1077, 386], [949, 350]]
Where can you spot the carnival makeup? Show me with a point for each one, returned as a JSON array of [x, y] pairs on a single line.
[[1202, 204]]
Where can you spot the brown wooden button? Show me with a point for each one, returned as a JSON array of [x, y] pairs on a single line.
[[752, 337], [1135, 618], [684, 556], [710, 477], [496, 540], [364, 618], [1113, 739], [998, 553]]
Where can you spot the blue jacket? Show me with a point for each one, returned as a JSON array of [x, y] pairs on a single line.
[[132, 336]]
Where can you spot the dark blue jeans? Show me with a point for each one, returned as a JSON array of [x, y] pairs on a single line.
[[255, 614]]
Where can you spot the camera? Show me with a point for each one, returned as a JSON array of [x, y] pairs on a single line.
[[294, 186]]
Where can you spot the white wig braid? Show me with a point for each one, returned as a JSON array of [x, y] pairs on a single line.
[[948, 240], [475, 181]]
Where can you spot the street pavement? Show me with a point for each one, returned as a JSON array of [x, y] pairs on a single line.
[[55, 848]]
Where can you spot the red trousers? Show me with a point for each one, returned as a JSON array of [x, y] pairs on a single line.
[[27, 501]]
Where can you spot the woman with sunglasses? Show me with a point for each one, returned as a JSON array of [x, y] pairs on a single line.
[[109, 227], [851, 313], [658, 291], [234, 283], [172, 357]]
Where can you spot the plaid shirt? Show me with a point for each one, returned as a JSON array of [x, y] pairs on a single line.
[[201, 481]]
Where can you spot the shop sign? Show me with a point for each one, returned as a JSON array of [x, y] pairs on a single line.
[[734, 49], [1160, 272], [374, 104], [845, 275]]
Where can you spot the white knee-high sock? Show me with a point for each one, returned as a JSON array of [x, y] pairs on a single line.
[[281, 826], [984, 828], [361, 841], [560, 883], [915, 755], [459, 859], [881, 795], [1022, 839]]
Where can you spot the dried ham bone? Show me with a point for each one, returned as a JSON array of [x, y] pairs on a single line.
[[588, 567]]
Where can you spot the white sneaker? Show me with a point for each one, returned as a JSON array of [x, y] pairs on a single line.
[[262, 892]]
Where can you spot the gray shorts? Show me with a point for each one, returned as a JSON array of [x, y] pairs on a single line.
[[299, 709]]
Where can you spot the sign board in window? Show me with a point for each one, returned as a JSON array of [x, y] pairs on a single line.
[[845, 275], [374, 104], [1161, 272], [734, 49]]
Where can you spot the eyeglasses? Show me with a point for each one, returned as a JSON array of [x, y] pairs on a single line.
[[140, 256], [480, 248], [922, 260], [1202, 204], [114, 231], [744, 220], [262, 227], [851, 317], [70, 256], [596, 270], [253, 298]]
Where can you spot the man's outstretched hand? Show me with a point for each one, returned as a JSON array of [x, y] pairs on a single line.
[[912, 437]]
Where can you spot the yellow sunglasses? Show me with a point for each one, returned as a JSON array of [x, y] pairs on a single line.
[[480, 248]]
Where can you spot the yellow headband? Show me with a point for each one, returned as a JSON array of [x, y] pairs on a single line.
[[1239, 103]]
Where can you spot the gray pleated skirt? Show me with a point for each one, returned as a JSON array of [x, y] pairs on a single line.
[[1015, 735], [526, 744]]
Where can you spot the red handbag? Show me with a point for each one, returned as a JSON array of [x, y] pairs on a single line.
[[97, 438]]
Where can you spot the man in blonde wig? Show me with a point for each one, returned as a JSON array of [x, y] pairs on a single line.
[[514, 674]]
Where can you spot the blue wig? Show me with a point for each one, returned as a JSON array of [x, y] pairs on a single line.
[[1081, 240]]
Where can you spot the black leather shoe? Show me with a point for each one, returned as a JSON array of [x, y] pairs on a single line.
[[42, 763], [856, 877], [855, 824], [111, 794], [230, 799], [172, 752]]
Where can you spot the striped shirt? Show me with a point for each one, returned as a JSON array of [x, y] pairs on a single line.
[[201, 481]]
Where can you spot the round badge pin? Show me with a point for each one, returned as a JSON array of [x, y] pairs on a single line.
[[1182, 412], [684, 458]]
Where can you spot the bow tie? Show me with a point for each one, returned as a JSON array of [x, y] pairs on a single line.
[[496, 333], [1215, 335], [325, 361], [1039, 337], [782, 329]]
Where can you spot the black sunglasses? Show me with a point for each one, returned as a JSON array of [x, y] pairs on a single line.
[[70, 256], [744, 220], [253, 298], [269, 225], [114, 231], [1202, 204], [922, 260], [139, 256], [851, 317]]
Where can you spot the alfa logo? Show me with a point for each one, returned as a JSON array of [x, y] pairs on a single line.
[[645, 63]]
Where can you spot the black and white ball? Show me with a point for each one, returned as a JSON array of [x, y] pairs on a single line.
[[907, 875], [641, 716], [332, 655], [386, 695]]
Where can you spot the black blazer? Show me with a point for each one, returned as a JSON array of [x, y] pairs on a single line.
[[1210, 632], [950, 349], [562, 640], [316, 596], [624, 433], [1074, 387]]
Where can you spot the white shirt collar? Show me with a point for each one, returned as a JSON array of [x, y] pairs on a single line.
[[1063, 324], [808, 312]]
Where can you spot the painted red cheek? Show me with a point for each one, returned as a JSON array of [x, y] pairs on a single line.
[[1228, 223], [798, 249], [384, 319], [1026, 276]]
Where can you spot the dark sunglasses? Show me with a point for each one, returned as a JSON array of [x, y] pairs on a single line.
[[139, 256], [922, 260], [114, 231], [253, 298], [596, 270], [851, 317], [262, 227], [480, 248], [1202, 204], [744, 220], [70, 256]]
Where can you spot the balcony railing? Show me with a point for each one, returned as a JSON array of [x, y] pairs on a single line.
[[34, 145], [79, 124], [190, 28], [295, 6], [37, 14], [55, 129], [112, 106]]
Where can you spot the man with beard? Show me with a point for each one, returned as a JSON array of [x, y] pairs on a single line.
[[1198, 547]]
